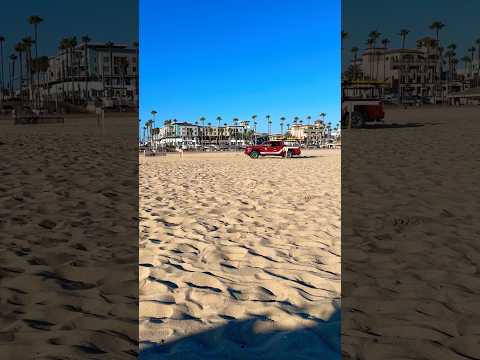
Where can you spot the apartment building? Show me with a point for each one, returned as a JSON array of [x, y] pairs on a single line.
[[91, 71]]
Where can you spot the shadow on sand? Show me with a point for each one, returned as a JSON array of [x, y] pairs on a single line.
[[292, 158], [398, 126], [240, 340]]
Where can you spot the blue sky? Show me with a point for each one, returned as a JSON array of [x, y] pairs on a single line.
[[69, 18], [236, 58], [388, 17]]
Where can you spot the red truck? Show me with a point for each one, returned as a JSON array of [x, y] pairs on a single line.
[[361, 104], [272, 148]]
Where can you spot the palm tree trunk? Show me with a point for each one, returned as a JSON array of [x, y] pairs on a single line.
[[20, 57], [87, 68], [11, 68], [2, 69], [111, 72]]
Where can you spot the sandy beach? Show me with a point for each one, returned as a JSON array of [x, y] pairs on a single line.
[[240, 258], [68, 241], [410, 257]]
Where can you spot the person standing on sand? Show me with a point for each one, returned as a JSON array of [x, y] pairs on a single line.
[[98, 110]]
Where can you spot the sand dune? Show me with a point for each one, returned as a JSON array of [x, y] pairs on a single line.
[[230, 243], [68, 249]]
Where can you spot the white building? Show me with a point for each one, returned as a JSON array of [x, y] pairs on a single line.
[[310, 134], [93, 71], [423, 71], [186, 134]]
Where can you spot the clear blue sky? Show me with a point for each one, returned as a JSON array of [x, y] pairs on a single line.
[[236, 58], [106, 20], [388, 17]]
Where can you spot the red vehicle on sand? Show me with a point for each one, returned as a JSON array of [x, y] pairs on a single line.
[[362, 104], [272, 148]]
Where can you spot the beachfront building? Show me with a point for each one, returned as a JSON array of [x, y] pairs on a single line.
[[90, 71], [188, 135], [427, 70], [309, 134]]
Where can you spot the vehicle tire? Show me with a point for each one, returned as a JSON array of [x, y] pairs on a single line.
[[357, 120], [254, 154]]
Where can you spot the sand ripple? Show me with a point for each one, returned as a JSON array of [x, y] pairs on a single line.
[[233, 248]]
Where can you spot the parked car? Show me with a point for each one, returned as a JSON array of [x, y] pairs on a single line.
[[391, 99], [272, 148], [415, 100]]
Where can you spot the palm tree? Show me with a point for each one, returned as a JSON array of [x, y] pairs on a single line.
[[295, 120], [269, 123], [202, 132], [374, 35], [209, 125], [20, 49], [450, 55], [466, 60], [219, 119], [63, 47], [254, 118], [403, 36], [455, 61], [154, 114], [322, 115], [472, 57], [282, 122], [478, 51], [13, 59], [437, 26], [2, 72], [385, 43], [72, 43], [354, 51], [41, 67], [235, 130], [35, 20], [85, 40], [343, 37], [28, 42], [109, 45], [370, 43]]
